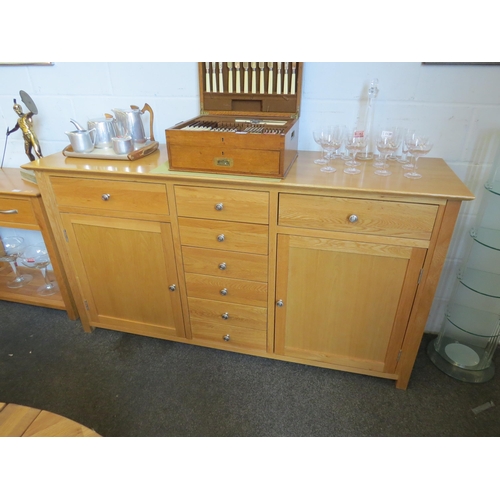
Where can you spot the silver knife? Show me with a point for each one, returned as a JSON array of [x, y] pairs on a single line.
[[221, 78], [278, 79], [245, 77], [254, 77], [285, 84], [230, 76], [270, 77], [207, 77], [261, 71], [238, 77], [214, 77]]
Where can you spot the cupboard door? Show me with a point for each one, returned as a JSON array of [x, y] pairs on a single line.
[[127, 274], [342, 302]]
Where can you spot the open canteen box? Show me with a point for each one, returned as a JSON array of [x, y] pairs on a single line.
[[248, 123]]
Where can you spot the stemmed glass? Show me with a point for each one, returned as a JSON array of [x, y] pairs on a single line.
[[331, 140], [318, 135], [13, 246], [388, 141], [355, 141], [418, 146], [404, 149], [36, 256]]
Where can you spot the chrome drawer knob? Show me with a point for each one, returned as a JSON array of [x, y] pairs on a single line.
[[219, 206], [226, 338], [279, 303], [220, 237], [172, 288], [352, 218], [105, 197], [222, 266], [225, 316], [223, 291]]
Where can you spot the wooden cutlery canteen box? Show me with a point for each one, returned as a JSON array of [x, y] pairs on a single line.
[[248, 123]]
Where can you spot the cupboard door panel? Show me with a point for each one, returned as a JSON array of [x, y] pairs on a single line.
[[344, 302], [125, 268]]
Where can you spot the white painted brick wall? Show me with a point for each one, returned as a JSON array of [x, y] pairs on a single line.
[[459, 106]]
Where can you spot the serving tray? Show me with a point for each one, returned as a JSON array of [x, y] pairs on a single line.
[[109, 153]]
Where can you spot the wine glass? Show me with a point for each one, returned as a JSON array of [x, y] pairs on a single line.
[[404, 149], [13, 246], [418, 145], [317, 135], [36, 256], [355, 141], [331, 140], [388, 141]]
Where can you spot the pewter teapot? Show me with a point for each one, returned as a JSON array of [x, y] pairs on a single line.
[[129, 122]]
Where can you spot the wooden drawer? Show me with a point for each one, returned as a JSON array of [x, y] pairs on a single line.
[[406, 220], [246, 266], [103, 194], [234, 337], [238, 315], [202, 286], [234, 236], [16, 212], [222, 204]]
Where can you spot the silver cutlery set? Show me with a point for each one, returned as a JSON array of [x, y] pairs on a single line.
[[239, 126], [251, 77]]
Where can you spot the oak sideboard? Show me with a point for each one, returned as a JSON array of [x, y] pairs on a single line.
[[331, 270]]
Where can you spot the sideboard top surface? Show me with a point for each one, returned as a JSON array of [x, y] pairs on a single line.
[[438, 179]]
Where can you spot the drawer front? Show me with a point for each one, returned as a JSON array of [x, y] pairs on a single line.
[[122, 196], [202, 286], [245, 266], [228, 315], [234, 337], [384, 218], [16, 212], [222, 204], [233, 236]]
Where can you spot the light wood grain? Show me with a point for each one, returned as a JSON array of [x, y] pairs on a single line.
[[23, 421], [245, 266], [238, 205], [408, 220], [239, 237]]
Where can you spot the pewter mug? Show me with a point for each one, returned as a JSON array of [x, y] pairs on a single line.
[[105, 131], [82, 141], [129, 122]]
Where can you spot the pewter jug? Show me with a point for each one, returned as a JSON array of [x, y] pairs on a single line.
[[105, 131], [129, 122], [82, 141]]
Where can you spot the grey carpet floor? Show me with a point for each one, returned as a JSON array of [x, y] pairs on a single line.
[[127, 385]]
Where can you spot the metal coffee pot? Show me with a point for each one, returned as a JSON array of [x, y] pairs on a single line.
[[105, 130], [129, 122]]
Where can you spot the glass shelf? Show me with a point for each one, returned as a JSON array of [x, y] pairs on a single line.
[[473, 321], [482, 282], [488, 237], [493, 186]]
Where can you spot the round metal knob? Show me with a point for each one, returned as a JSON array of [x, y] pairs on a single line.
[[220, 237], [225, 316], [226, 338], [172, 288], [105, 197], [352, 218], [222, 266], [219, 206], [279, 303], [223, 291]]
